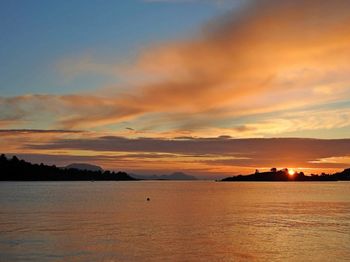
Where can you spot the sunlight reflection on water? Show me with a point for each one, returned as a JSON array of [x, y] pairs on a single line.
[[183, 221]]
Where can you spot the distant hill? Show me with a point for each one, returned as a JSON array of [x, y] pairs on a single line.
[[19, 170], [83, 166], [173, 176]]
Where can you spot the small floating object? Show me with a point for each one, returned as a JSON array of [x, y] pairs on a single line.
[[148, 199]]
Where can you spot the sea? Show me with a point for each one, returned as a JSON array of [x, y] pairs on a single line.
[[181, 221]]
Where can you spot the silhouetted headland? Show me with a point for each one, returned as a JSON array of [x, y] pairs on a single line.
[[19, 170], [284, 175]]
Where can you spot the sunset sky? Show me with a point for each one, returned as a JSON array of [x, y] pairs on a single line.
[[208, 87]]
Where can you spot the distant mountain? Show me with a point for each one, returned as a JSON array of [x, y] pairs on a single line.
[[173, 176], [83, 166]]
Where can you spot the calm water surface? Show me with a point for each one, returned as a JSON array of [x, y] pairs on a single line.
[[184, 221]]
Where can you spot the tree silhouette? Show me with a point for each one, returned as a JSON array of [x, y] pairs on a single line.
[[282, 175], [19, 170]]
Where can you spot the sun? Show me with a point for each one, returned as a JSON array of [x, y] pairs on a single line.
[[291, 172]]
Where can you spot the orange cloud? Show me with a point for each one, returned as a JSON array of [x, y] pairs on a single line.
[[275, 68], [273, 56], [206, 156]]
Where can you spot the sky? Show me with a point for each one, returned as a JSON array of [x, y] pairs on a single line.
[[208, 87]]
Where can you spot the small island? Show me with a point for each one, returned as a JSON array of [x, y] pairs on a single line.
[[288, 175], [19, 170]]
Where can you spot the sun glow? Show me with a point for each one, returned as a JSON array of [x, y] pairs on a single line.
[[291, 172]]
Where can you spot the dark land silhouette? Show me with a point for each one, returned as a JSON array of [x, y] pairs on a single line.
[[19, 170], [14, 169], [283, 175]]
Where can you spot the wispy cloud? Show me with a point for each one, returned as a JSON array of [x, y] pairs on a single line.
[[272, 57], [212, 155], [217, 156], [37, 131]]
